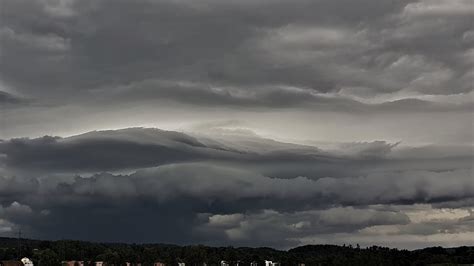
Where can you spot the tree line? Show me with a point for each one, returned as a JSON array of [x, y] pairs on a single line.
[[53, 252]]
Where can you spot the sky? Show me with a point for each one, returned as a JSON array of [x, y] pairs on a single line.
[[249, 123]]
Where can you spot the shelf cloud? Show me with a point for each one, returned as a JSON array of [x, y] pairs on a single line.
[[237, 189]]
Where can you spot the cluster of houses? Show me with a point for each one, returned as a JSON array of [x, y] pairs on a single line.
[[267, 263], [102, 263], [81, 263], [28, 262], [223, 263]]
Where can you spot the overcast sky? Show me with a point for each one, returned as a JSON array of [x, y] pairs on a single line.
[[251, 122]]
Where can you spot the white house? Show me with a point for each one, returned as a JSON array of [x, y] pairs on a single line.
[[27, 262], [271, 263]]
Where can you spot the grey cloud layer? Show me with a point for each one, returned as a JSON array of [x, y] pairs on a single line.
[[8, 99], [134, 148], [320, 46], [357, 72], [151, 92], [206, 184], [238, 189]]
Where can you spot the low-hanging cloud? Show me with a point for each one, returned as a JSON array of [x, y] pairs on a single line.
[[222, 189]]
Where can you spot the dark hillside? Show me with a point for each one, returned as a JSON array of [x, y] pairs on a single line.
[[53, 252]]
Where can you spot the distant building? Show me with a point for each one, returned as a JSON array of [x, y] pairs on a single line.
[[224, 263], [181, 264], [271, 263], [253, 263], [26, 262], [158, 264], [301, 264]]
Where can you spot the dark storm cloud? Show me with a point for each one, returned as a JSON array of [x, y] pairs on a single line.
[[208, 185], [220, 190], [99, 64], [323, 46], [201, 201], [134, 148], [10, 100], [272, 227], [102, 150], [138, 147], [12, 187]]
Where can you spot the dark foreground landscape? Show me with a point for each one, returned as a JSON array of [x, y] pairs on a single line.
[[57, 252]]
